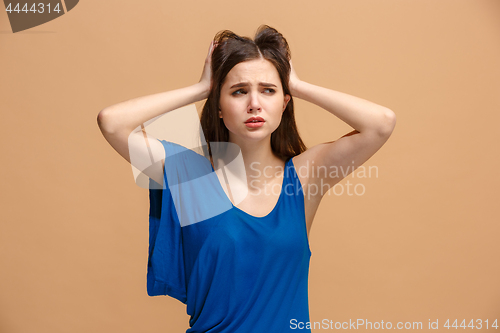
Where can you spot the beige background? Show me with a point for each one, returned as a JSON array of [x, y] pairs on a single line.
[[421, 243]]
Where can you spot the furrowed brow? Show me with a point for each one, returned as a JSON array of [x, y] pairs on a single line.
[[239, 85], [245, 84], [265, 84]]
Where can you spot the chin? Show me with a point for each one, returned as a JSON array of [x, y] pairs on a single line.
[[251, 136]]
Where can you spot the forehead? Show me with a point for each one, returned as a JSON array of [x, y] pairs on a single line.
[[253, 71]]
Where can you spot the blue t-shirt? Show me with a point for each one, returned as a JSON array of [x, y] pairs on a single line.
[[235, 272]]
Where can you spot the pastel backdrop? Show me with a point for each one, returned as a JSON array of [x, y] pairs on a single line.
[[420, 244]]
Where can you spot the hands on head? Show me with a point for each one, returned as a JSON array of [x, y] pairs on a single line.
[[293, 81], [206, 75]]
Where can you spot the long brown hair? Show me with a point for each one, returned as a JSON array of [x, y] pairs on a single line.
[[232, 49]]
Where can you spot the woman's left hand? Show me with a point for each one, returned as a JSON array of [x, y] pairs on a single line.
[[294, 81]]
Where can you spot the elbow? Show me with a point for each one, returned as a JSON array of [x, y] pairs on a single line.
[[104, 122], [388, 123]]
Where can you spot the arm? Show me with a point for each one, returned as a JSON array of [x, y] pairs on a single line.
[[127, 116], [121, 123], [360, 114], [372, 123]]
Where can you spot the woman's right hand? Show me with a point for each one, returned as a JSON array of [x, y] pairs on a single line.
[[206, 75], [121, 124]]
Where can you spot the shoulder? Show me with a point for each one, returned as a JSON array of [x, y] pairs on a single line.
[[305, 160], [305, 164], [313, 195]]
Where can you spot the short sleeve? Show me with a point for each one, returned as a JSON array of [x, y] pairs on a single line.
[[166, 273]]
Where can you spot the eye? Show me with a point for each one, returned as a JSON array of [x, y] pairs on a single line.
[[239, 92], [269, 90]]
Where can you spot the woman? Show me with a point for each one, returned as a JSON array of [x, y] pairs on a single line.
[[245, 269]]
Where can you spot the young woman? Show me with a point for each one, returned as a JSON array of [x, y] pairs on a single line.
[[245, 269]]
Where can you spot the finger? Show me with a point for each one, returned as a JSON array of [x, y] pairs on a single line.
[[214, 45]]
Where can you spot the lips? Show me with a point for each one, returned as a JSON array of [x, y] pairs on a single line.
[[254, 120]]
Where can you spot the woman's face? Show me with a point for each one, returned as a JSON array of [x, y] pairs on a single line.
[[252, 89]]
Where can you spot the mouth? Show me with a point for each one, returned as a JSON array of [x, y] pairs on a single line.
[[255, 120]]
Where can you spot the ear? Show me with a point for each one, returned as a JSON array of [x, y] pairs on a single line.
[[285, 101], [220, 113]]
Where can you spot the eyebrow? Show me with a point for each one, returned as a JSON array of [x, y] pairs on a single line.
[[244, 84]]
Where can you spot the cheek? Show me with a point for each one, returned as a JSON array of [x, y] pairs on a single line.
[[226, 104], [229, 113], [232, 109], [232, 104], [274, 107], [277, 113]]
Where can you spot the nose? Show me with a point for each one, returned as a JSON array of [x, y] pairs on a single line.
[[253, 103]]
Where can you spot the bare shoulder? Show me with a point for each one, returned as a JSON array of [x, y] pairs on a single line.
[[303, 168], [304, 164]]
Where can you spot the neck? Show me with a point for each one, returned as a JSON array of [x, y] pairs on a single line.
[[260, 162]]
